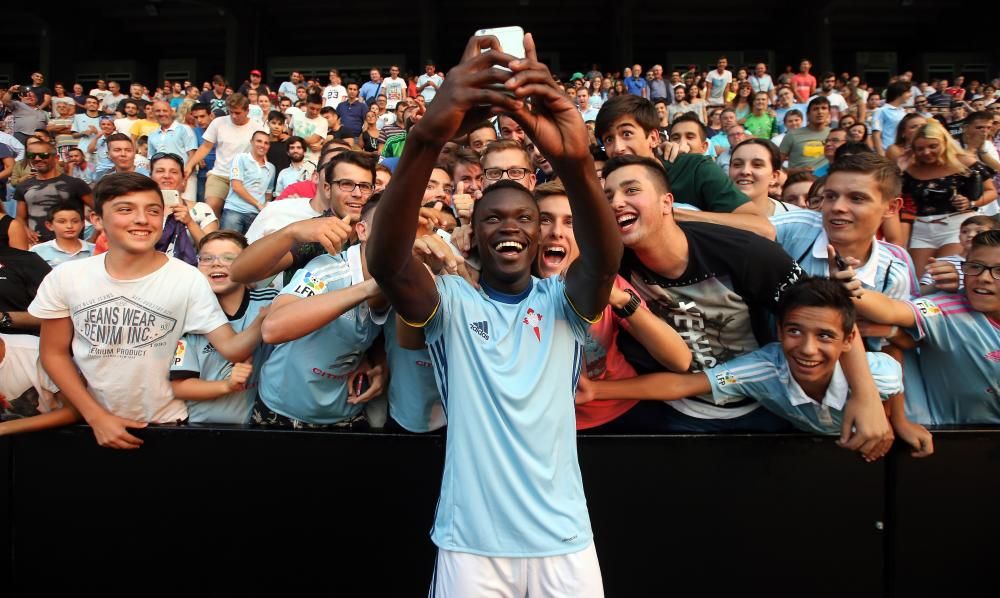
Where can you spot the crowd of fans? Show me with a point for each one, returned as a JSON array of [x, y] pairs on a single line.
[[267, 199], [507, 257]]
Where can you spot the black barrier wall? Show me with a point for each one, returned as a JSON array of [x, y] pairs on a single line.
[[232, 511]]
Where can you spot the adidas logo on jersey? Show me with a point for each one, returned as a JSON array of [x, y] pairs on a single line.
[[481, 328]]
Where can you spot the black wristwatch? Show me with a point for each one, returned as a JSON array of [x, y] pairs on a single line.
[[630, 307], [5, 321]]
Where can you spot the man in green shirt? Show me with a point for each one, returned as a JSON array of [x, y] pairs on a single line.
[[628, 124], [803, 147]]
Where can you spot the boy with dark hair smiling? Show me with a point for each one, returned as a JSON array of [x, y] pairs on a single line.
[[110, 323], [628, 125], [65, 220], [799, 378]]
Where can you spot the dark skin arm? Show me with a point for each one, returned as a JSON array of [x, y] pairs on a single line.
[[458, 106], [555, 126]]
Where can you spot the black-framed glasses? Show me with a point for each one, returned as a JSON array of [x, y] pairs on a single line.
[[975, 269], [225, 258], [495, 174], [348, 186], [39, 155]]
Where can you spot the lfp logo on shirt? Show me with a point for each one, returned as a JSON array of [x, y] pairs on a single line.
[[179, 352]]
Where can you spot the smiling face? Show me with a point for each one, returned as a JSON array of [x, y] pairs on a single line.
[[214, 261], [510, 129], [506, 225], [812, 339], [133, 222], [638, 203], [348, 202], [853, 208], [557, 248], [438, 188], [167, 174], [983, 291], [751, 170]]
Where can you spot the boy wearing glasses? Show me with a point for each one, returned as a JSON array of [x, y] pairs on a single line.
[[37, 195], [111, 322], [959, 339], [216, 390]]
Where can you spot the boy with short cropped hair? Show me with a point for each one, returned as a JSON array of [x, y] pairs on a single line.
[[110, 323], [218, 391], [799, 378], [65, 220], [628, 124]]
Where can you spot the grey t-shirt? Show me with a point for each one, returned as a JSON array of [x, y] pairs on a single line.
[[804, 147], [27, 119]]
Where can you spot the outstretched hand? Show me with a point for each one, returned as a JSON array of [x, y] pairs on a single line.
[[467, 97]]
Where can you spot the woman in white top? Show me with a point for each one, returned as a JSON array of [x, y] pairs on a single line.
[[755, 166], [186, 222]]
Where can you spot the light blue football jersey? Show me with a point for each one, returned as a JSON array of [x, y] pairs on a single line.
[[414, 401], [960, 360], [258, 181], [306, 379], [195, 355], [800, 233], [506, 368], [54, 255], [763, 375]]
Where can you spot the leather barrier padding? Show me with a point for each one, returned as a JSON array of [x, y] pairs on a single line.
[[230, 511]]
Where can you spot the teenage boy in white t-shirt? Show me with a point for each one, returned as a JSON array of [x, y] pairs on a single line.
[[110, 323]]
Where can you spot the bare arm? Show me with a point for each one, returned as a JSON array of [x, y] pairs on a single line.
[[661, 386], [196, 389], [271, 254], [555, 126], [877, 142], [237, 347], [53, 419], [293, 317], [18, 239], [744, 217], [456, 108], [109, 429], [199, 155], [663, 343], [240, 189]]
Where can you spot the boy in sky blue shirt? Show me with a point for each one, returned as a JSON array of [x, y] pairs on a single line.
[[959, 339], [218, 391], [798, 378]]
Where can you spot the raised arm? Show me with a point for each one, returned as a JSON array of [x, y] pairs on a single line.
[[293, 317], [109, 429], [661, 386], [270, 254], [237, 347], [462, 101], [557, 129]]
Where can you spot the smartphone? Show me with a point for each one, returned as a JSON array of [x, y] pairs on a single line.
[[511, 42], [171, 198], [841, 262], [361, 385], [447, 239]]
